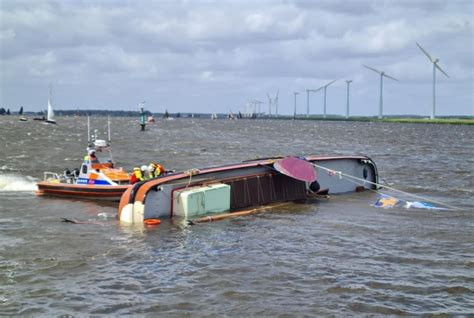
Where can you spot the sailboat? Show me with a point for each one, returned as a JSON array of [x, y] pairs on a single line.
[[50, 118], [22, 118]]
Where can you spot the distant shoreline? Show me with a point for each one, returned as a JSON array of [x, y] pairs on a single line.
[[405, 119]]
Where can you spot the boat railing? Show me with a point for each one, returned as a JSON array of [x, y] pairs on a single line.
[[53, 177]]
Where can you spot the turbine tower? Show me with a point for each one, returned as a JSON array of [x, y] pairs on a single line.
[[276, 103], [435, 66], [294, 114], [347, 106], [382, 74], [257, 102], [325, 87], [307, 98], [269, 105]]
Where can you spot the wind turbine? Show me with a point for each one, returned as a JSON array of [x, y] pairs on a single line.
[[276, 103], [347, 106], [257, 102], [269, 105], [250, 108], [294, 114], [382, 74], [435, 66], [325, 87], [307, 98]]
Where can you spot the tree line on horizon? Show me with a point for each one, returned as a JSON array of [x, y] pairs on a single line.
[[130, 113]]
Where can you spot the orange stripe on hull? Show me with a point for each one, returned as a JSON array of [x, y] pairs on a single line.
[[82, 191], [124, 200]]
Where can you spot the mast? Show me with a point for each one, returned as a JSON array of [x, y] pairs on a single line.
[[108, 129], [88, 129]]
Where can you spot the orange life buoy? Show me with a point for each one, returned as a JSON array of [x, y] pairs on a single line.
[[151, 222]]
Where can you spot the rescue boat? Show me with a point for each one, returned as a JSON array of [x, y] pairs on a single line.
[[97, 178], [215, 192]]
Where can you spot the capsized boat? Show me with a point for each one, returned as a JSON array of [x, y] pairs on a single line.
[[97, 178], [229, 189]]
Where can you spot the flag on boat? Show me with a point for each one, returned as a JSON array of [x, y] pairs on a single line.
[[387, 202], [296, 168]]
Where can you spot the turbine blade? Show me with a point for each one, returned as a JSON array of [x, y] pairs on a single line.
[[390, 77], [330, 83], [426, 53], [373, 69], [268, 96], [439, 68]]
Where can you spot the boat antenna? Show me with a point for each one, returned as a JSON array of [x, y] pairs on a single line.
[[88, 129], [108, 128]]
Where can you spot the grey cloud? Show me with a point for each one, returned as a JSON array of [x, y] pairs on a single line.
[[250, 46]]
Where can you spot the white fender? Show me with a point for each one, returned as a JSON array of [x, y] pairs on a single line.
[[126, 216], [138, 212], [133, 213]]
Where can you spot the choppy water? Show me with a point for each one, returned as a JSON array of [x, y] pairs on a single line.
[[336, 257]]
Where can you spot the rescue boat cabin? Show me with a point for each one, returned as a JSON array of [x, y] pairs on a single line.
[[98, 166]]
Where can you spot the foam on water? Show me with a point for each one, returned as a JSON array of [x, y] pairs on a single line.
[[16, 183], [18, 157]]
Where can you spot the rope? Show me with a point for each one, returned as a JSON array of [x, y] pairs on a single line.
[[340, 174], [191, 173]]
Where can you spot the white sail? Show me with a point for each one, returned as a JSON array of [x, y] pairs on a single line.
[[50, 111], [50, 118]]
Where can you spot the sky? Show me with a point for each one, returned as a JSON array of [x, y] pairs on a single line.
[[216, 56]]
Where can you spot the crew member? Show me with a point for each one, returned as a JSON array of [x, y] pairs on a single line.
[[136, 176], [91, 157], [155, 170], [144, 170]]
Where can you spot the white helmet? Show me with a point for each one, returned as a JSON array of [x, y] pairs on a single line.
[[144, 168]]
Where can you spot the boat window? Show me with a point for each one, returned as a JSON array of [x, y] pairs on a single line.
[[365, 173], [84, 169]]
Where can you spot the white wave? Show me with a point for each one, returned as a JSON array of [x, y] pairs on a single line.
[[18, 157], [14, 183]]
